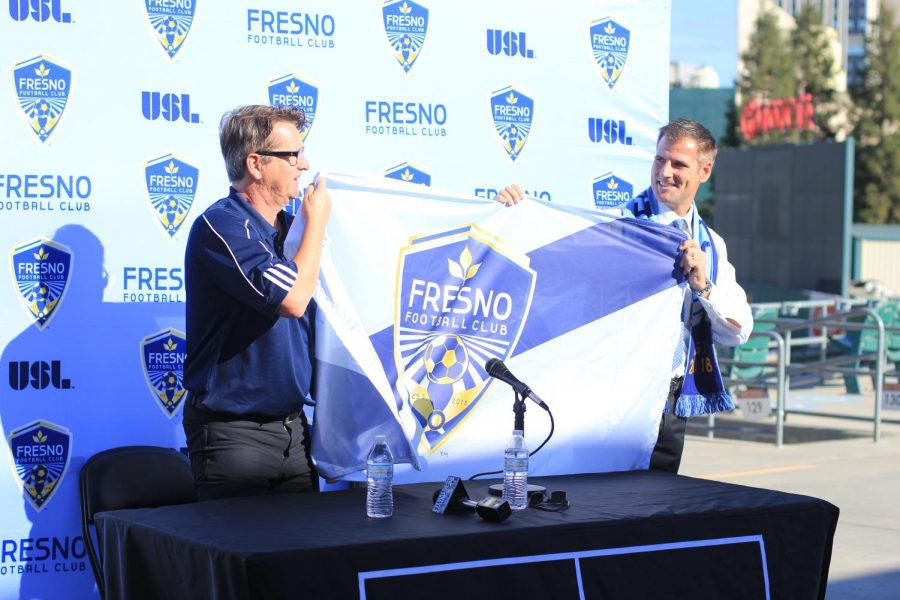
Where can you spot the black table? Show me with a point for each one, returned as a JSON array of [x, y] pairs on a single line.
[[636, 535]]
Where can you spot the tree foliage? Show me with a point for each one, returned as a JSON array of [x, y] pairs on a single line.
[[767, 72], [780, 65], [816, 69], [877, 131]]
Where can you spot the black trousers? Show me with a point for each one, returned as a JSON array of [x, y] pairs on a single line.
[[669, 447], [250, 457]]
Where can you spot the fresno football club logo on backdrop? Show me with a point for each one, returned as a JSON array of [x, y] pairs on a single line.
[[462, 298], [162, 357], [41, 270], [610, 42], [40, 454], [171, 22], [291, 90], [409, 172], [611, 190], [406, 25], [42, 85], [513, 114], [171, 185]]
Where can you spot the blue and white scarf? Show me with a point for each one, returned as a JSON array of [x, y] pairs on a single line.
[[703, 391]]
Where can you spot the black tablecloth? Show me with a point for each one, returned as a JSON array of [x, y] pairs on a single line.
[[638, 534]]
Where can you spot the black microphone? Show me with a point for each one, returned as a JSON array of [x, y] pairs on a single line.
[[496, 369]]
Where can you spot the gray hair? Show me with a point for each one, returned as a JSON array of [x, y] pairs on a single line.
[[688, 128], [246, 129]]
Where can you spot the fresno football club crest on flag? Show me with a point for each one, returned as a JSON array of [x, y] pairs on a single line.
[[513, 113], [406, 25], [40, 453], [42, 87], [462, 299], [162, 357], [170, 22], [41, 270], [610, 42]]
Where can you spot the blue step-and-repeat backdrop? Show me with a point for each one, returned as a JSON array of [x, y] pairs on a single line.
[[110, 150]]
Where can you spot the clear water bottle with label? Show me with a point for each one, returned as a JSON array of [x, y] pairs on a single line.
[[380, 480], [515, 472]]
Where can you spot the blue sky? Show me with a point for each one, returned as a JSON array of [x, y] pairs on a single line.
[[704, 32]]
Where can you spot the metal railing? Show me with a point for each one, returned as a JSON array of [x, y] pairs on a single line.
[[780, 372]]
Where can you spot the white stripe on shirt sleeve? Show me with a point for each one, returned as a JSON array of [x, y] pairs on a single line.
[[276, 281], [233, 257], [274, 273]]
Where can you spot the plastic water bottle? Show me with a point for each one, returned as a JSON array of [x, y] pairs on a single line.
[[515, 472], [380, 480]]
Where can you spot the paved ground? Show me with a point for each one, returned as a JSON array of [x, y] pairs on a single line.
[[832, 459]]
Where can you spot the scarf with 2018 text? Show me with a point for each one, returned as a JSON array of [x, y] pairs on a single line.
[[703, 391]]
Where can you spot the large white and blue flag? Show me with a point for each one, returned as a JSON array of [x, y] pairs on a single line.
[[420, 288]]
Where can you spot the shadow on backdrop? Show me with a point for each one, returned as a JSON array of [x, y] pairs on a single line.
[[100, 396]]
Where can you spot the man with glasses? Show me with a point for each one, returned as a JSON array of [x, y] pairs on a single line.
[[250, 314]]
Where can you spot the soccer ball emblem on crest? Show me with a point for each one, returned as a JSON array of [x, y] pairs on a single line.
[[446, 359]]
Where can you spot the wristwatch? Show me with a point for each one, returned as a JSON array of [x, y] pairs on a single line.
[[708, 287]]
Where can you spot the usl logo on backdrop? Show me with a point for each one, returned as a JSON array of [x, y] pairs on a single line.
[[38, 374], [171, 22], [510, 43], [461, 298], [162, 357], [42, 86], [38, 10], [406, 25], [40, 453], [171, 107], [609, 131], [41, 270], [610, 42], [611, 190], [171, 184], [291, 90], [408, 172], [513, 113]]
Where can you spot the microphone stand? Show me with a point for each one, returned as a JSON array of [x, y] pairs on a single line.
[[519, 410]]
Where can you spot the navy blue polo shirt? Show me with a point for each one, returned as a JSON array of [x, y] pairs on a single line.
[[242, 357]]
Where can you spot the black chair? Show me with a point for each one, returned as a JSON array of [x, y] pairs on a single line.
[[130, 477]]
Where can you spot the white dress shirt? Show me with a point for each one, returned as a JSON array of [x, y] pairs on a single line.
[[727, 299]]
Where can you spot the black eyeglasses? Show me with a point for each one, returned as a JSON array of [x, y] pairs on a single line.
[[292, 155]]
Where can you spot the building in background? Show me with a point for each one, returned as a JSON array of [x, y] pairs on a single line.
[[859, 18], [686, 75], [835, 14], [852, 21]]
